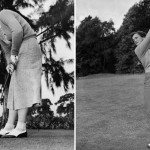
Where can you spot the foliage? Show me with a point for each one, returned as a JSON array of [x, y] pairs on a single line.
[[62, 123], [66, 109], [137, 18], [66, 105], [94, 42], [42, 117], [100, 49], [56, 24], [58, 75]]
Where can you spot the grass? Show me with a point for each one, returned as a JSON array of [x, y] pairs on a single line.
[[41, 140], [110, 113]]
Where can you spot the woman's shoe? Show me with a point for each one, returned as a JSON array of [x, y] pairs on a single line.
[[15, 134], [3, 132]]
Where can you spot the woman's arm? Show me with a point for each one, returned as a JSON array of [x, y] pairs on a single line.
[[144, 45], [9, 20]]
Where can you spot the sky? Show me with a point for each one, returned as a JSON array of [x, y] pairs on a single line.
[[104, 10]]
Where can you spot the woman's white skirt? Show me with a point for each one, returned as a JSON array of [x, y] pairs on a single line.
[[25, 84]]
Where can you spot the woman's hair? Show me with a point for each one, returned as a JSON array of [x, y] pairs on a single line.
[[141, 33]]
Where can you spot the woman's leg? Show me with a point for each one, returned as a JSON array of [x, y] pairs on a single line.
[[11, 120], [20, 130], [10, 123], [12, 116], [22, 116]]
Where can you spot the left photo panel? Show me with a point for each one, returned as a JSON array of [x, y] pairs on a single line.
[[37, 74]]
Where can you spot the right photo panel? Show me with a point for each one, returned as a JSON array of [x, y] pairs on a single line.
[[113, 74]]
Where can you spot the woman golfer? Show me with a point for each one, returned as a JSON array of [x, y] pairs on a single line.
[[24, 62], [142, 41]]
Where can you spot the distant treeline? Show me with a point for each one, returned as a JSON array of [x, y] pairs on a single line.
[[102, 49]]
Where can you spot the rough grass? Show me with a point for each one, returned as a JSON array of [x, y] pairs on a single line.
[[41, 140], [110, 113]]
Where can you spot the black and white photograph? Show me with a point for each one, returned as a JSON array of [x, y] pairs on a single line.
[[112, 74], [37, 75], [74, 74]]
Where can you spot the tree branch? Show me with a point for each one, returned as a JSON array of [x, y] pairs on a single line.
[[44, 31], [48, 38]]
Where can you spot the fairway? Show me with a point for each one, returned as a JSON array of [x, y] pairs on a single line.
[[110, 113]]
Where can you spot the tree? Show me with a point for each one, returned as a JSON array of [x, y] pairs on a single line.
[[57, 24], [113, 52], [66, 108], [137, 18], [93, 46]]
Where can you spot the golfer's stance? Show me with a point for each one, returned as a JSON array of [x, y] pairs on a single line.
[[24, 62], [143, 53]]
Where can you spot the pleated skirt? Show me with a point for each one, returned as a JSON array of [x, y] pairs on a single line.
[[25, 83]]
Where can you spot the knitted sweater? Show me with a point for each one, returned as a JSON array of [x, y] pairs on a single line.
[[143, 52], [16, 29]]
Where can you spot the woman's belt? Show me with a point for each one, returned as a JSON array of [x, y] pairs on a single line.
[[30, 36]]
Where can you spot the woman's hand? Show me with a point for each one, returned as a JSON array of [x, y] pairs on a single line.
[[7, 42], [14, 59], [10, 68]]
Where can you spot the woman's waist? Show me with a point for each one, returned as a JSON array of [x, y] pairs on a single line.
[[30, 46], [29, 36]]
